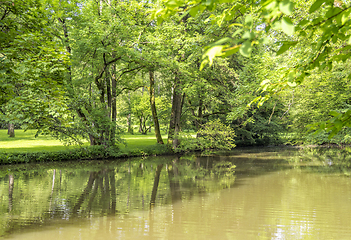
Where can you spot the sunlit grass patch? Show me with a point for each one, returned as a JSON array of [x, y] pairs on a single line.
[[139, 140], [27, 142]]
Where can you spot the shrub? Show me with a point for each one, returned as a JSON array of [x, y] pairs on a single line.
[[83, 153], [213, 135]]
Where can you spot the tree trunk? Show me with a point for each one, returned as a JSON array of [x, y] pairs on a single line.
[[129, 120], [174, 124], [11, 130], [109, 95], [141, 124], [199, 117], [153, 108], [113, 105]]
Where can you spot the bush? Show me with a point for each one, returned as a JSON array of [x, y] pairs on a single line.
[[152, 150], [213, 135], [83, 153]]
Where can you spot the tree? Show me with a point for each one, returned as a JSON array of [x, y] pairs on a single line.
[[11, 130], [325, 25], [142, 111], [184, 39], [32, 66], [153, 107]]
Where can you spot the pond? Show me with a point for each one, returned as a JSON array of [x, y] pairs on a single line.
[[265, 193]]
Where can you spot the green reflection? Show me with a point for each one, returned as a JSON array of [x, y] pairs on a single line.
[[265, 194], [36, 195], [324, 160]]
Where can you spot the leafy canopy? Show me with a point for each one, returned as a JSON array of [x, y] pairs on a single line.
[[320, 28]]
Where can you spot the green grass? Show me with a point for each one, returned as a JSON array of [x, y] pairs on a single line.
[[26, 142], [139, 140]]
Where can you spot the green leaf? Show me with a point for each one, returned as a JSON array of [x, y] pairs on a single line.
[[193, 11], [266, 3], [334, 113], [333, 133], [211, 53], [248, 35], [270, 5], [338, 124], [173, 3], [303, 22], [288, 26], [264, 40], [292, 84], [285, 47], [264, 82], [242, 9], [334, 39], [342, 18], [303, 34], [332, 11], [317, 4], [248, 20], [230, 51], [208, 2], [237, 32], [246, 49], [221, 41], [286, 7]]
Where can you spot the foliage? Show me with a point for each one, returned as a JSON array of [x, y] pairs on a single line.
[[216, 135], [78, 70], [317, 33], [82, 153], [213, 135], [32, 68], [323, 93], [256, 125]]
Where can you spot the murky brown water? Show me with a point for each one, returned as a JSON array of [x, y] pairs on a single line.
[[267, 197]]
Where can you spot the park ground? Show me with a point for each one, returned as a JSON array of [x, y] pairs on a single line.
[[25, 141]]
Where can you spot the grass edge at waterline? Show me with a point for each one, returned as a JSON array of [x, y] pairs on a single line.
[[83, 153]]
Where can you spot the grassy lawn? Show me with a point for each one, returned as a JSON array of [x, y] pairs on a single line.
[[139, 140], [26, 142]]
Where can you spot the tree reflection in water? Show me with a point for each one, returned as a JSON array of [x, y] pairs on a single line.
[[36, 196]]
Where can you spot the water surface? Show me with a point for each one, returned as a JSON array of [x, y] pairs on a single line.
[[270, 194]]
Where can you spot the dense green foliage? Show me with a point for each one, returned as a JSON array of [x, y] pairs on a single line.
[[314, 35], [87, 70], [213, 135], [82, 153]]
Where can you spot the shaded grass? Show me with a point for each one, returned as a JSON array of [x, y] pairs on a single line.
[[27, 142]]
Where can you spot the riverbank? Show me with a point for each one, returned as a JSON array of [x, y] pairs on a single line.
[[25, 148]]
